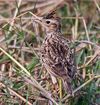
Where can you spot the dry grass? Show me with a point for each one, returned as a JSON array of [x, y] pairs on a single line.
[[23, 80]]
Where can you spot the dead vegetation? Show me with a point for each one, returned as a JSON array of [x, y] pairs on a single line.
[[23, 80]]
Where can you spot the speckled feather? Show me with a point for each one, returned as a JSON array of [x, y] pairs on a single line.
[[57, 57]]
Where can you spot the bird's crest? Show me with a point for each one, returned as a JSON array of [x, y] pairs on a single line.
[[52, 15]]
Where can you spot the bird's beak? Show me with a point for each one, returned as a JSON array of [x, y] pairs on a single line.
[[40, 21]]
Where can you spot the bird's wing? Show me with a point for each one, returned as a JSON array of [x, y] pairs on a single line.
[[59, 57]]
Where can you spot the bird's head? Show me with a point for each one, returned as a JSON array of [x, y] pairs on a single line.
[[50, 22], [51, 25]]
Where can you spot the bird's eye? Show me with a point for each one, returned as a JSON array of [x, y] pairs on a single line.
[[47, 21]]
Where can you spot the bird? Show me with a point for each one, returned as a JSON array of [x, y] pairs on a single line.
[[55, 53]]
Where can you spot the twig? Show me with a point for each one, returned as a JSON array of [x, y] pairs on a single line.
[[27, 74], [84, 84], [88, 42], [95, 1], [16, 94], [93, 57], [15, 14], [25, 49], [87, 34]]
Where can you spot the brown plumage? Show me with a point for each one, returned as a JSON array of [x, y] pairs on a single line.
[[56, 55]]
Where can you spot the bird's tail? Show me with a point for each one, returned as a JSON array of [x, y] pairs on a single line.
[[67, 86]]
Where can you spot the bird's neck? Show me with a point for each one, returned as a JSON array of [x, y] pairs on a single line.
[[52, 32]]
